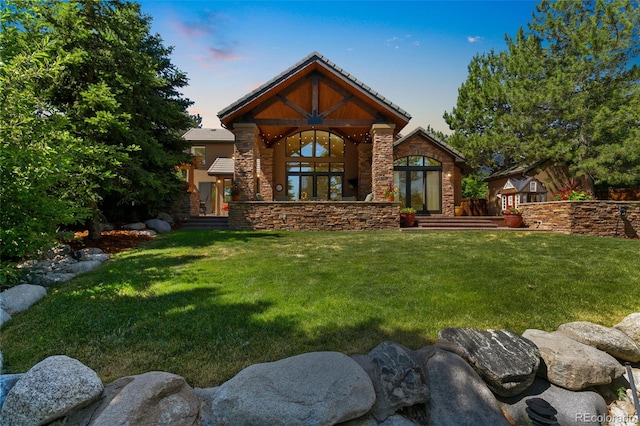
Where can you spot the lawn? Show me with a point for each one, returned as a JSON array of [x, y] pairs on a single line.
[[206, 304]]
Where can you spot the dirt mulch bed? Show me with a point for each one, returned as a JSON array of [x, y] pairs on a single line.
[[110, 242]]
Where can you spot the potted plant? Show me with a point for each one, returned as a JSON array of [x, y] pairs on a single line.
[[390, 192], [513, 217], [407, 217], [235, 192]]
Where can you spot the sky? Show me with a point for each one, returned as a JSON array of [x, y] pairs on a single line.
[[414, 53]]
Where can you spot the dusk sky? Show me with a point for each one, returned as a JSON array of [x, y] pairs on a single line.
[[414, 53]]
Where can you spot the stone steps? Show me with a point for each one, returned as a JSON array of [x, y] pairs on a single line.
[[204, 223], [458, 222]]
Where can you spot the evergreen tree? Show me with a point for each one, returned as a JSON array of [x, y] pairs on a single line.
[[566, 89]]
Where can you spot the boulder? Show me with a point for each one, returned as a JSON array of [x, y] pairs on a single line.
[[7, 381], [506, 361], [136, 226], [21, 297], [4, 316], [90, 253], [611, 340], [206, 396], [458, 394], [571, 364], [160, 226], [153, 398], [84, 266], [318, 388], [50, 389], [397, 376], [50, 279], [571, 408], [630, 325], [167, 218]]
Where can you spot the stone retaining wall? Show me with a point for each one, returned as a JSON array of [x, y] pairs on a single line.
[[313, 216], [601, 218]]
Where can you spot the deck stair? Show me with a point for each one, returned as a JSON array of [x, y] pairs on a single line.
[[203, 223], [458, 222]]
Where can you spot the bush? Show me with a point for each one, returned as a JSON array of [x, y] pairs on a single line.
[[474, 186]]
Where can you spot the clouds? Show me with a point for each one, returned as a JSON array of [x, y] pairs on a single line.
[[397, 43], [474, 39]]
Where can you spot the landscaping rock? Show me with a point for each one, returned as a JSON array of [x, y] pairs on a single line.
[[572, 408], [154, 398], [630, 325], [81, 267], [21, 297], [4, 316], [206, 396], [7, 381], [160, 226], [571, 364], [397, 376], [90, 253], [51, 279], [50, 389], [167, 218], [458, 394], [137, 226], [611, 340], [507, 362], [319, 388]]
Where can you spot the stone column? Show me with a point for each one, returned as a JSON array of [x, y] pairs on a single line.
[[382, 159], [266, 173], [244, 159], [364, 170]]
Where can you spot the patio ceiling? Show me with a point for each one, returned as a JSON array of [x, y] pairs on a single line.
[[314, 94]]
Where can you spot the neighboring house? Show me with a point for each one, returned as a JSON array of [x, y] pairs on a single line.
[[315, 132], [211, 174]]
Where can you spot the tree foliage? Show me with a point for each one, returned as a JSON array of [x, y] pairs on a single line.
[[566, 89]]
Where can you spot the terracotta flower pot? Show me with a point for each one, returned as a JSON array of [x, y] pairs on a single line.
[[513, 220], [407, 220]]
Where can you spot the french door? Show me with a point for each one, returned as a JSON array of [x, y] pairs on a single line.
[[419, 186]]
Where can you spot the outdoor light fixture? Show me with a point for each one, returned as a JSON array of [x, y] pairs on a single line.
[[623, 211]]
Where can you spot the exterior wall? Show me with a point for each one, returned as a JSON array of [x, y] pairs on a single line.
[[450, 172], [245, 159], [313, 216], [212, 152], [494, 203], [601, 218], [381, 159]]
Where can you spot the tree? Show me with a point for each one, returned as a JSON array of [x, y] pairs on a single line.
[[118, 88], [566, 90]]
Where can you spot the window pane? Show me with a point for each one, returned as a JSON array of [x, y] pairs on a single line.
[[400, 162], [306, 187], [417, 190], [293, 146], [335, 188], [400, 182], [322, 186], [293, 187], [433, 191], [337, 146], [200, 153], [322, 144], [431, 162], [306, 167], [306, 144], [337, 167], [322, 167], [415, 161]]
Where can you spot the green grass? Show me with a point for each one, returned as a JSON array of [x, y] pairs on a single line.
[[206, 304]]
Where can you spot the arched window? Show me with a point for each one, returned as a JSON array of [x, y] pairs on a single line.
[[419, 182], [314, 165]]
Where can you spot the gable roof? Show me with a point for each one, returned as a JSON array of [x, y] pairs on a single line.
[[209, 135], [222, 166], [295, 99], [458, 157]]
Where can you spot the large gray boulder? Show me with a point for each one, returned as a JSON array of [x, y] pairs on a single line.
[[4, 316], [7, 381], [571, 364], [459, 397], [318, 388], [82, 267], [136, 226], [51, 279], [397, 376], [50, 389], [149, 399], [571, 408], [160, 226], [611, 340], [630, 325], [21, 297], [506, 361]]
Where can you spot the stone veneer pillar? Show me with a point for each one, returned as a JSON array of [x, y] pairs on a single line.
[[244, 159], [364, 170], [382, 159], [266, 173]]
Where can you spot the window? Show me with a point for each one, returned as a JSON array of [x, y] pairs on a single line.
[[200, 152], [314, 165], [419, 181], [533, 186]]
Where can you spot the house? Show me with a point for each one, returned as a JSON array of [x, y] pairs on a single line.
[[316, 134]]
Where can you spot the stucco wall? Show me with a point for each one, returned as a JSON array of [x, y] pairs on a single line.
[[601, 218], [313, 216]]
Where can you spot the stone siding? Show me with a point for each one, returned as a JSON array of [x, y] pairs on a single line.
[[382, 159], [313, 216], [601, 218]]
